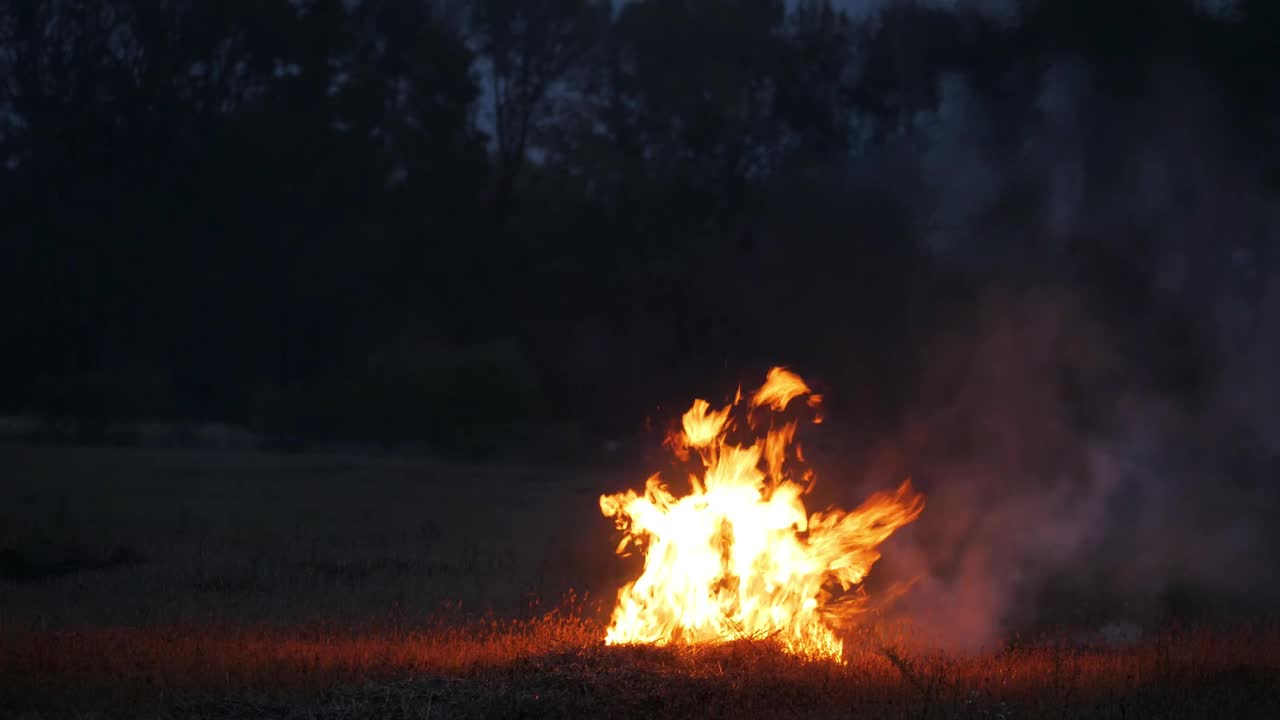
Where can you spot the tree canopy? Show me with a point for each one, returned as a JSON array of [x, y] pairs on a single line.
[[425, 222]]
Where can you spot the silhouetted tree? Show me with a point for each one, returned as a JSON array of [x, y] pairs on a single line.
[[303, 216], [529, 47]]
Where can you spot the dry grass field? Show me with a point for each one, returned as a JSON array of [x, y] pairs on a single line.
[[189, 585]]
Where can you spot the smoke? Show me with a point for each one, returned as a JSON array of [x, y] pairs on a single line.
[[864, 8], [1096, 433], [994, 8]]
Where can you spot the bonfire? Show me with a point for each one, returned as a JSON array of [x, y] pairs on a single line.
[[739, 557]]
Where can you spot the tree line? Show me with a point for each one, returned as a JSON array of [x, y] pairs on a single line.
[[432, 223]]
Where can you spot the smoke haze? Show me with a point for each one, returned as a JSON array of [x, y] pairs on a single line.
[[1104, 445]]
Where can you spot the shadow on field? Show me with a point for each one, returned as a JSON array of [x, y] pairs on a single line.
[[18, 568]]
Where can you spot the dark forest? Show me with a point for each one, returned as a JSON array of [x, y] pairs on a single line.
[[448, 226]]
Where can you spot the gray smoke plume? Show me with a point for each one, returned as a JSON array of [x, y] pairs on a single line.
[[1089, 453]]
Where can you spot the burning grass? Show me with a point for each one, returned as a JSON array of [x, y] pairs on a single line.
[[270, 587], [556, 666], [740, 556]]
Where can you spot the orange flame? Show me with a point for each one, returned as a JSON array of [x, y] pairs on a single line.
[[780, 386], [738, 557]]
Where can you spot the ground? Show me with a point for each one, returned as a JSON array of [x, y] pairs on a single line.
[[179, 584]]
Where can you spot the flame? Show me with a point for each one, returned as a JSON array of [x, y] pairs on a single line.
[[780, 386], [739, 557]]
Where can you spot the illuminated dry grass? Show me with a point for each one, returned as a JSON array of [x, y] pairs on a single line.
[[301, 588], [124, 667], [555, 667]]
